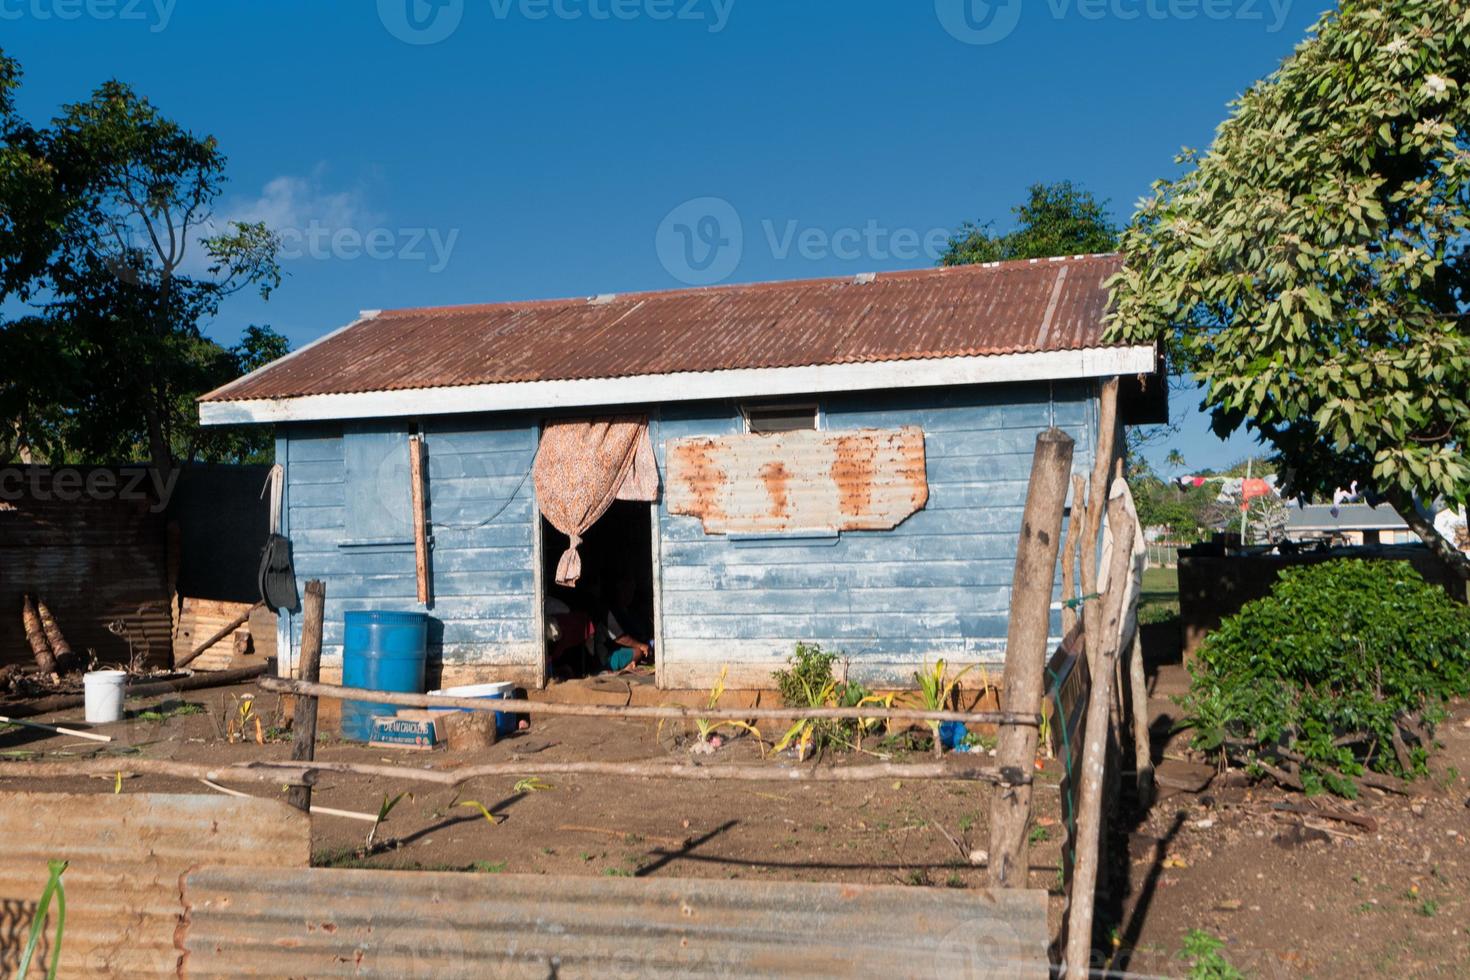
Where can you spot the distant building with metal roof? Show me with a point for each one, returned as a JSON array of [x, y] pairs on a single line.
[[1349, 523]]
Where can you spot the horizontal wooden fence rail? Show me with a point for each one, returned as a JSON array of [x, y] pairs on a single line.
[[282, 685], [958, 769]]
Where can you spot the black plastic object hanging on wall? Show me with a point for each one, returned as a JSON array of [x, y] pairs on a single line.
[[278, 575]]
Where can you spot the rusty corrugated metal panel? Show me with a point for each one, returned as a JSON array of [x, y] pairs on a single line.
[[129, 854], [930, 313], [94, 561], [868, 480], [323, 923]]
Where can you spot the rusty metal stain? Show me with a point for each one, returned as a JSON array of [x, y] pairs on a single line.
[[367, 923], [927, 313], [799, 481], [128, 856], [776, 479]]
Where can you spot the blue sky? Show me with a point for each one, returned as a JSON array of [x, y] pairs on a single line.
[[543, 148]]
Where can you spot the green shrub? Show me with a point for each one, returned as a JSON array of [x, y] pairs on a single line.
[[809, 682], [1345, 666]]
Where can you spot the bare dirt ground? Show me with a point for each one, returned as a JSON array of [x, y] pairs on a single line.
[[1289, 895], [1293, 895], [917, 833]]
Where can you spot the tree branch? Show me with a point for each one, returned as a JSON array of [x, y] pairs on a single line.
[[1457, 560]]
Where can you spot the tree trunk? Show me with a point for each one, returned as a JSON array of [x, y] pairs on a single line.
[[158, 450]]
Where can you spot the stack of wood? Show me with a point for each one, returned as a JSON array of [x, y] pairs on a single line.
[[54, 656]]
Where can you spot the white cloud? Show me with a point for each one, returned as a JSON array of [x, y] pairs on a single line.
[[300, 202], [291, 202]]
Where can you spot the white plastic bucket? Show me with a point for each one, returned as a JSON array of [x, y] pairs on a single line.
[[104, 695]]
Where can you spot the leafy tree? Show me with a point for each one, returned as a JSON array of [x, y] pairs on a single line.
[[1057, 219], [109, 211], [1175, 460], [1310, 267], [1190, 513]]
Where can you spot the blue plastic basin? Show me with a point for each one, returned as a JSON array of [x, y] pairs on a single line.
[[381, 651]]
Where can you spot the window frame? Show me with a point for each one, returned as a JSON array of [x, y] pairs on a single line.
[[793, 407]]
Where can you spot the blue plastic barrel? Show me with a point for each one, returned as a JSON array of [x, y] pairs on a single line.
[[381, 651]]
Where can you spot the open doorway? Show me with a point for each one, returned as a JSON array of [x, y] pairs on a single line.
[[614, 594]]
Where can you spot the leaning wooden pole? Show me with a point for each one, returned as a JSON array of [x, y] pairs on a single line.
[[1097, 502], [1143, 757], [303, 718], [1095, 749], [1026, 652], [420, 518], [1075, 521]]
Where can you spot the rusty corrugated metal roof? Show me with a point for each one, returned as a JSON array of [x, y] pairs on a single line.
[[399, 924], [129, 854], [864, 480], [1013, 307]]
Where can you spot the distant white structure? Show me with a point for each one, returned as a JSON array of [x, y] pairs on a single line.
[[1452, 527], [1348, 524]]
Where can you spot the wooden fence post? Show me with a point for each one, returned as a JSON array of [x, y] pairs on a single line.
[[1026, 653], [420, 522], [1097, 503], [1095, 747], [303, 720]]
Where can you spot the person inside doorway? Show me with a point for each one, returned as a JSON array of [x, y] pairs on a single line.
[[628, 636]]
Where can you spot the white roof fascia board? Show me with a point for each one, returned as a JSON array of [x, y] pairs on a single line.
[[1097, 362]]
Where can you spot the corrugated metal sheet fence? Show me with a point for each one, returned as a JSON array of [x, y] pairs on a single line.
[[128, 856], [409, 924], [91, 543]]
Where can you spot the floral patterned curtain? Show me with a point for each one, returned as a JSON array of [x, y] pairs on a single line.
[[581, 468]]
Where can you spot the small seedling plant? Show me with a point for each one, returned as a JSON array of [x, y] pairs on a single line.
[[1205, 955], [936, 688], [54, 890], [707, 728]]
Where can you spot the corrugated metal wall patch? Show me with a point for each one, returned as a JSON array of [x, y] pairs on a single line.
[[864, 480]]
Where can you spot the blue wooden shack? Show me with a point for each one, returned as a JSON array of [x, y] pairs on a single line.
[[841, 462]]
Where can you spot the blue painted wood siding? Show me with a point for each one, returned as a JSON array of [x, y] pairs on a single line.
[[346, 490], [937, 585]]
